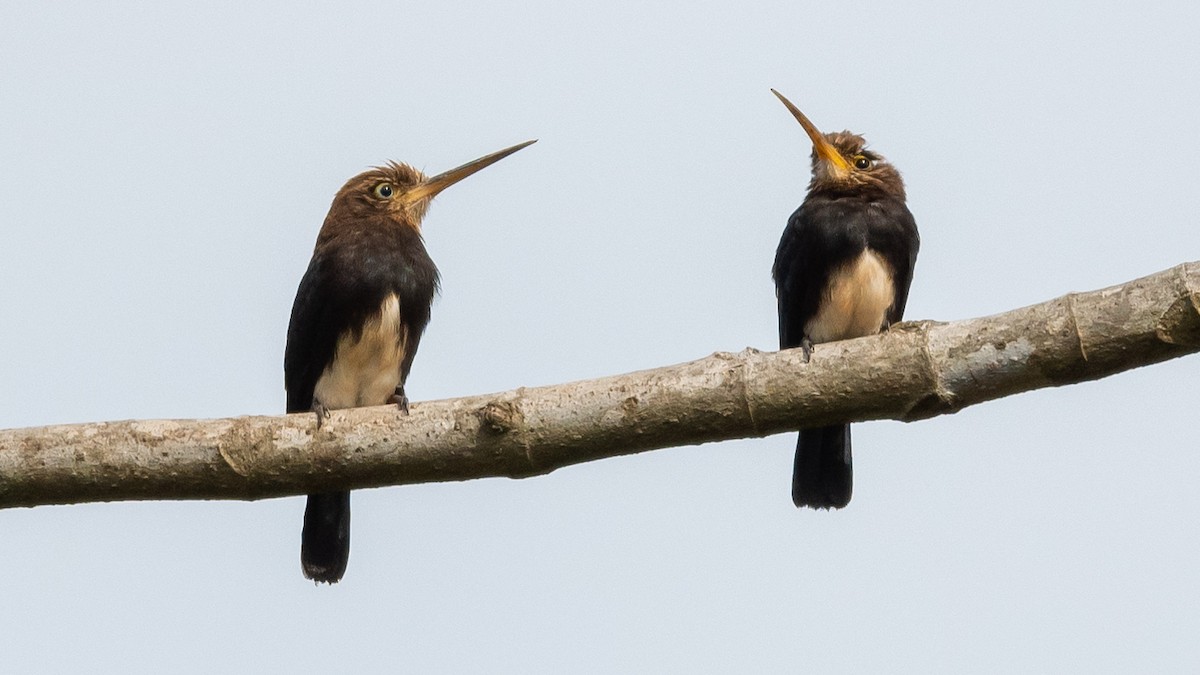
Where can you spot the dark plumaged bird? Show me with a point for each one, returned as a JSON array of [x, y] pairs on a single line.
[[357, 320], [842, 270]]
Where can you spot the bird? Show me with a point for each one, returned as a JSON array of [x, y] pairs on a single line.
[[357, 320], [842, 270]]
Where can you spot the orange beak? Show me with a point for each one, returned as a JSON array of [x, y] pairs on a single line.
[[826, 153]]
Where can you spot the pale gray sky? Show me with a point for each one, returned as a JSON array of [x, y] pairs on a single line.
[[165, 169]]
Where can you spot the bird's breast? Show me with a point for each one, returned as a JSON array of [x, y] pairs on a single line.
[[365, 369], [855, 300]]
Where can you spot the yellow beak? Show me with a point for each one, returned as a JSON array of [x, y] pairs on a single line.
[[432, 186], [824, 149]]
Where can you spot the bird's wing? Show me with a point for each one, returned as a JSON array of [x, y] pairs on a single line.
[[895, 237], [807, 253], [312, 335], [413, 340]]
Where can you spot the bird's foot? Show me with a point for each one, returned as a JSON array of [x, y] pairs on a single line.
[[806, 348], [321, 411], [400, 399]]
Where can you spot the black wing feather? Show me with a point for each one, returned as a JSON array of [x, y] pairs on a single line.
[[893, 234], [311, 337]]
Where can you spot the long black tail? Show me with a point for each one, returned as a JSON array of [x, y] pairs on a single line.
[[325, 542], [823, 475]]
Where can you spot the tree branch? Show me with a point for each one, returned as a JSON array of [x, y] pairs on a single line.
[[914, 371]]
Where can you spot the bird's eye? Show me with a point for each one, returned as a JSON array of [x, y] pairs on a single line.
[[384, 191], [862, 163]]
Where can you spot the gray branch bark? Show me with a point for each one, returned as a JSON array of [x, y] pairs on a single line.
[[915, 371]]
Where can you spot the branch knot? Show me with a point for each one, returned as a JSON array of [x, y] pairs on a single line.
[[501, 417]]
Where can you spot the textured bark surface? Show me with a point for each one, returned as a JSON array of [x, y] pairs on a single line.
[[915, 371]]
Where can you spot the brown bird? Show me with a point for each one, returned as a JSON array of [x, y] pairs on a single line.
[[842, 270], [357, 320]]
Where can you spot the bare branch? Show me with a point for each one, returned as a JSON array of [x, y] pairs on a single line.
[[916, 370]]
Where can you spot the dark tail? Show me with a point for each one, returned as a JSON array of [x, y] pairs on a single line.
[[823, 476], [325, 542]]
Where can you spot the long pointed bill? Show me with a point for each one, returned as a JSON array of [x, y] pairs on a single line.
[[436, 184], [824, 149]]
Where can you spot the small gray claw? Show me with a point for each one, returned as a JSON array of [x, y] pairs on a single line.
[[400, 399], [321, 411]]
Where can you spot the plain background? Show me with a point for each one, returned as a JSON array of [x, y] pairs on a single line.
[[165, 168]]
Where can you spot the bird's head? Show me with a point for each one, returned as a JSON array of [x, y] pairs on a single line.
[[841, 162], [399, 192]]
